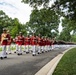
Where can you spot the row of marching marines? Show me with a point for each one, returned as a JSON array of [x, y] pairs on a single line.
[[37, 44]]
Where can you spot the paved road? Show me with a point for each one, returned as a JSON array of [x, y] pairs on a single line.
[[26, 64]]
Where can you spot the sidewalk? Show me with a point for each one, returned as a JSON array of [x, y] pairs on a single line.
[[49, 68]]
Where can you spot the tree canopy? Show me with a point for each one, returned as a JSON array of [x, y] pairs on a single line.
[[13, 25], [69, 5], [44, 21], [65, 8]]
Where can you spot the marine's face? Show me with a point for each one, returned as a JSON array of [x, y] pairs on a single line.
[[4, 31], [20, 34]]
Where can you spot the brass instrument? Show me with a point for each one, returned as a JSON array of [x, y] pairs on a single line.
[[3, 37]]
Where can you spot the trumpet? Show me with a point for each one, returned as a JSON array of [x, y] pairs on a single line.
[[4, 37]]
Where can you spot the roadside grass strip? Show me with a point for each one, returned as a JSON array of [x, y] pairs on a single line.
[[13, 47], [67, 65], [0, 49]]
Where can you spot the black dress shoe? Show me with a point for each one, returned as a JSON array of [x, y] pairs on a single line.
[[42, 52], [33, 54], [45, 51], [27, 52], [24, 51], [14, 52], [18, 54], [1, 58], [5, 57], [10, 53], [6, 53], [38, 53]]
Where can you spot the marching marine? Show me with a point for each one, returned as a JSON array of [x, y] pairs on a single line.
[[9, 42], [16, 43], [4, 41], [27, 43], [20, 43], [33, 43]]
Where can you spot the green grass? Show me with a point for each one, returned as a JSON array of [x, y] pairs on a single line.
[[0, 49], [67, 65], [12, 48]]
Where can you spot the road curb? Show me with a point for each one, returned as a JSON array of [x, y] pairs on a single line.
[[49, 68]]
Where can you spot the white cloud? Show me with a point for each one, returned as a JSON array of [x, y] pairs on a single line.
[[16, 9]]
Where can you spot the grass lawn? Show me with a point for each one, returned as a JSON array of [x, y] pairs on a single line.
[[0, 49], [67, 65], [12, 48]]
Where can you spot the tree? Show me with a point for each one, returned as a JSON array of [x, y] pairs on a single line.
[[13, 25], [73, 37], [68, 26], [69, 5], [24, 29], [16, 27], [35, 3], [58, 4], [43, 21], [4, 21], [65, 35]]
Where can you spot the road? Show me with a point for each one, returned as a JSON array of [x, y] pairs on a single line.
[[26, 64]]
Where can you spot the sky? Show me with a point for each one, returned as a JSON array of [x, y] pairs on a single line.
[[16, 9]]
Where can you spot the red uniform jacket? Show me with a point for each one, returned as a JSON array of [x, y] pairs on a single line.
[[16, 40], [26, 41], [44, 42], [20, 40], [0, 38], [47, 42], [39, 41], [9, 39], [33, 40]]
